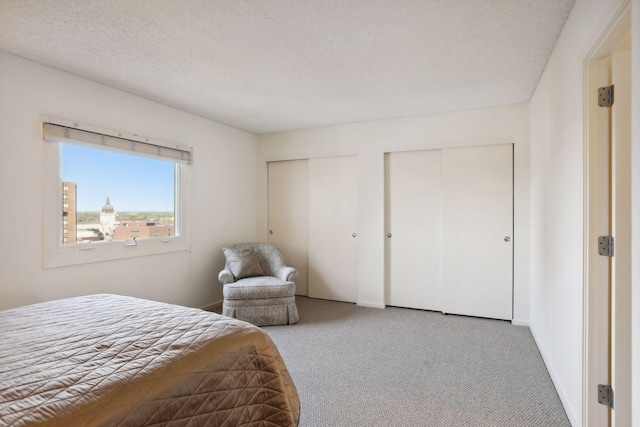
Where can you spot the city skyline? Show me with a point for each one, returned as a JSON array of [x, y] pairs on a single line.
[[100, 174], [106, 226]]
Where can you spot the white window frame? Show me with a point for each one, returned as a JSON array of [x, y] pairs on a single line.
[[55, 254]]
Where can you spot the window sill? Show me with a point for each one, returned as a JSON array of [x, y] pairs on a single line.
[[106, 251]]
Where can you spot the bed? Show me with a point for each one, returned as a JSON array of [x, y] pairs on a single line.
[[110, 360]]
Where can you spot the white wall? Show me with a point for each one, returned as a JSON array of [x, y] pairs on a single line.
[[224, 190], [557, 202], [371, 140]]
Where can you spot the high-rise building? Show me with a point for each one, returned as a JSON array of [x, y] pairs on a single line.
[[69, 213]]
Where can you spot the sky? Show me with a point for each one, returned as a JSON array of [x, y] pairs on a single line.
[[132, 183]]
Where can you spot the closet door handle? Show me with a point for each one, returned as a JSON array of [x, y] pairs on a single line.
[[389, 235], [354, 234], [507, 239]]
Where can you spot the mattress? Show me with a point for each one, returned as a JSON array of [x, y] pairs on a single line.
[[109, 360]]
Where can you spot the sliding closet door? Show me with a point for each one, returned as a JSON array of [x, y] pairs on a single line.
[[333, 210], [288, 212], [478, 231], [414, 229]]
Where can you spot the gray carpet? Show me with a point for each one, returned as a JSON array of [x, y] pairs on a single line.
[[356, 366]]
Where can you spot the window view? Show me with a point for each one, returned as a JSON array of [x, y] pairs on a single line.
[[111, 196]]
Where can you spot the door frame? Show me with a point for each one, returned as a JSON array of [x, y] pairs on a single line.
[[596, 296]]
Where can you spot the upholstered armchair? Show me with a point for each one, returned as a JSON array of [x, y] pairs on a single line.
[[257, 285]]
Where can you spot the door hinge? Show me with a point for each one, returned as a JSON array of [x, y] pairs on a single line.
[[605, 96], [605, 245], [605, 395]]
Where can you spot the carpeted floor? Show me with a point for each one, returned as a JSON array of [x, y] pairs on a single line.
[[356, 366]]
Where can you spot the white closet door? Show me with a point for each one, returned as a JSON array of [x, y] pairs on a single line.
[[288, 212], [333, 209], [414, 221], [478, 227]]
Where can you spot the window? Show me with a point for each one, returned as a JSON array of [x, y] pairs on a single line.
[[122, 195]]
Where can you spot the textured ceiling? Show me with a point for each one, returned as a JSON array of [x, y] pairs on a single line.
[[274, 65]]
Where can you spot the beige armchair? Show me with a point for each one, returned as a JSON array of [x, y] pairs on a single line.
[[257, 286]]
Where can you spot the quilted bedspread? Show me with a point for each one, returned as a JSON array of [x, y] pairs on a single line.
[[108, 360]]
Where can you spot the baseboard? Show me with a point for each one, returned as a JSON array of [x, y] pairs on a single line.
[[216, 307], [556, 382], [370, 304], [519, 322]]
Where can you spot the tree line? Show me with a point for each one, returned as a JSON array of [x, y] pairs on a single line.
[[159, 217]]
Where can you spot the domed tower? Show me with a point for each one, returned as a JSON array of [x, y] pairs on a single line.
[[108, 220]]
